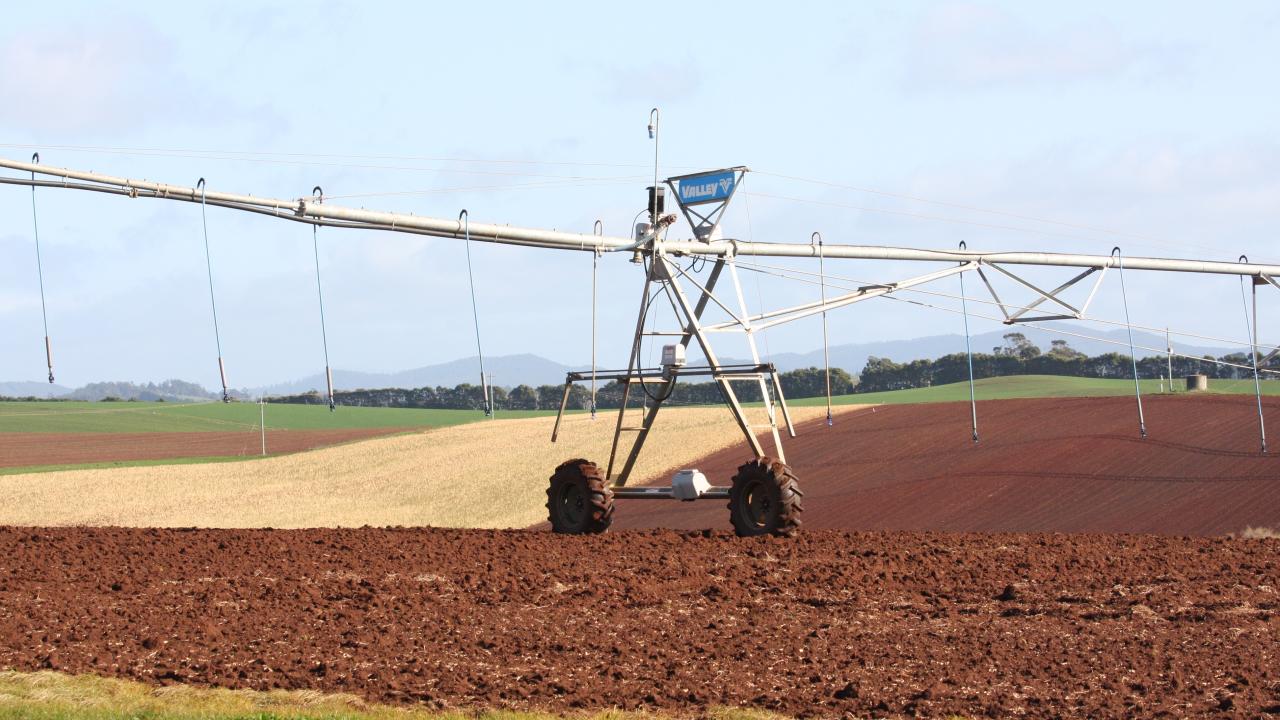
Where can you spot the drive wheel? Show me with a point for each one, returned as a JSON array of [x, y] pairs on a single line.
[[578, 500], [765, 499]]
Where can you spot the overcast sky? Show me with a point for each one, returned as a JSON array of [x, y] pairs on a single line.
[[1151, 126]]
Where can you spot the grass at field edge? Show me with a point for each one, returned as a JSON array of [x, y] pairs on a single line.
[[49, 695]]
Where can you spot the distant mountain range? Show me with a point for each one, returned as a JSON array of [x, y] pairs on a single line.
[[26, 388], [507, 371], [511, 370]]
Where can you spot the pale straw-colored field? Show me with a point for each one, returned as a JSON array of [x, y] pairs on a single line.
[[490, 474]]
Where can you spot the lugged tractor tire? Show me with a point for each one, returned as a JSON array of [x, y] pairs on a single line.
[[765, 499], [579, 501]]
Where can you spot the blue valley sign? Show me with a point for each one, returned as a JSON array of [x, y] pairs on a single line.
[[709, 187]]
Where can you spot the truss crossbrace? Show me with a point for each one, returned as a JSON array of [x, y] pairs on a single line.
[[1053, 296], [786, 315]]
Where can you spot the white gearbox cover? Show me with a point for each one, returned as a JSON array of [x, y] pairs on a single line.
[[689, 485], [673, 355]]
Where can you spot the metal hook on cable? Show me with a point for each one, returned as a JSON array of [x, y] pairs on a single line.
[[816, 239], [464, 220], [213, 305], [1133, 355], [44, 312], [317, 194], [968, 351], [1252, 330]]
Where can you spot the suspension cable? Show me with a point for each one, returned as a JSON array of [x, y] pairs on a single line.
[[816, 237], [465, 218], [213, 305], [1133, 354], [968, 351], [318, 195], [44, 312], [1252, 330], [751, 237]]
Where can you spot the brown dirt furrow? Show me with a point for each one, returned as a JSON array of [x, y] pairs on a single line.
[[32, 449], [828, 624], [1051, 465]]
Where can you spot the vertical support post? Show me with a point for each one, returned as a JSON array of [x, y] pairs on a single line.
[[633, 368], [968, 351], [564, 402], [1168, 347], [1252, 330], [1133, 355]]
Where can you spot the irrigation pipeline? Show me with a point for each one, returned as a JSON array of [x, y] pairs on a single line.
[[304, 210], [343, 160], [310, 211]]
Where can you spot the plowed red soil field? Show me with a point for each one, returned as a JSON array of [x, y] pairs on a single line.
[[1071, 465], [26, 449], [829, 623]]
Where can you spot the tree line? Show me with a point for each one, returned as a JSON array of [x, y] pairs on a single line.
[[809, 382], [1017, 356]]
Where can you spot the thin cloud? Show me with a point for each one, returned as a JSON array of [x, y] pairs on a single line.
[[664, 82], [112, 77], [972, 46]]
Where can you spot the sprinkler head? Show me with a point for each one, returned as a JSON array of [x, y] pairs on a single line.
[[650, 131]]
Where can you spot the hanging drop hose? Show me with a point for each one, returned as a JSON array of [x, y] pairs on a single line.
[[44, 312], [1252, 330], [598, 229], [822, 282], [213, 305], [318, 194], [968, 351], [465, 219], [1133, 355]]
